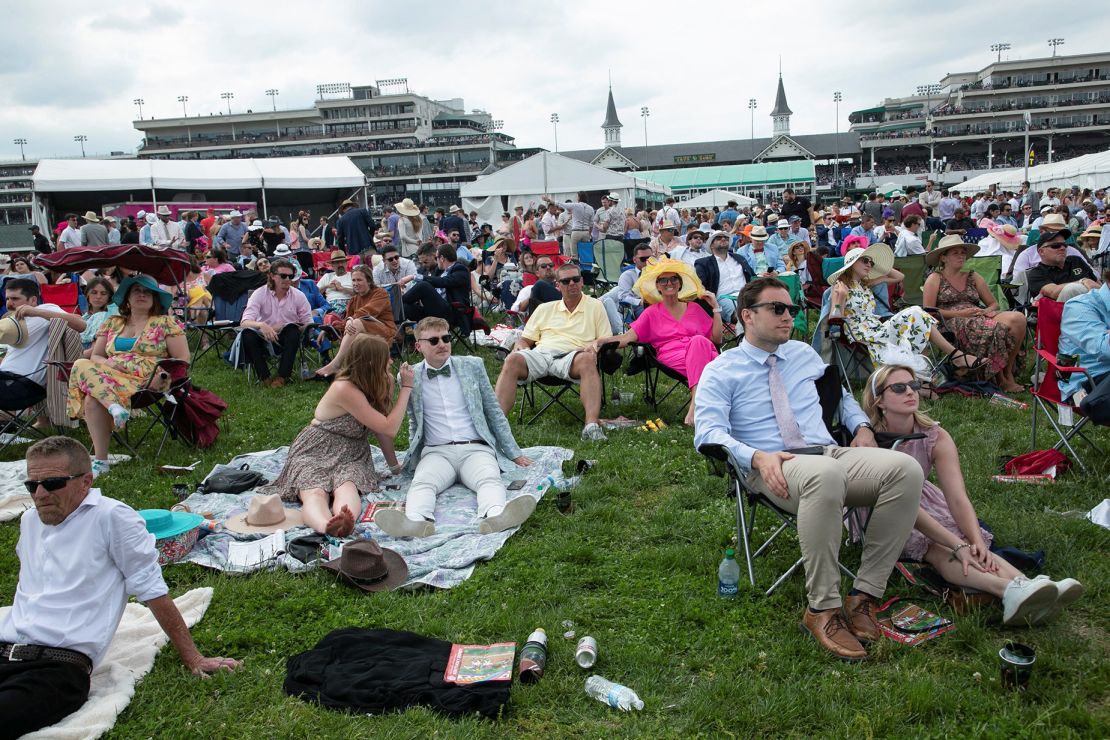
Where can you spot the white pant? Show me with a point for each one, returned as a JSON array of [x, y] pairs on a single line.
[[474, 465]]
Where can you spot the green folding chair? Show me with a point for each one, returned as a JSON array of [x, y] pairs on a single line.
[[608, 254], [913, 267], [801, 321], [990, 269]]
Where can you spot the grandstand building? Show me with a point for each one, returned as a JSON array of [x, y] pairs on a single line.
[[408, 145], [15, 202]]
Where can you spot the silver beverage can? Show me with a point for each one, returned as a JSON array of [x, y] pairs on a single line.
[[586, 652]]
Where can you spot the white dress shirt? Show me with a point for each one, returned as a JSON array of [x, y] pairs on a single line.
[[29, 359], [446, 417], [908, 243], [75, 577], [732, 276], [70, 237]]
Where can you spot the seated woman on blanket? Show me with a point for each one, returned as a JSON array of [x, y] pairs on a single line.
[[684, 336], [124, 357], [910, 328], [330, 463], [369, 311], [947, 534]]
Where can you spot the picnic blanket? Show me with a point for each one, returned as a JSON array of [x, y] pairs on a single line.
[[443, 560], [130, 657], [14, 499]]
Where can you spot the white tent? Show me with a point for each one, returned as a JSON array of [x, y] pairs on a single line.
[[525, 182], [717, 198], [1088, 171]]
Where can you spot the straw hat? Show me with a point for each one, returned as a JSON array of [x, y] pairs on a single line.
[[407, 208], [337, 255], [91, 217], [668, 224], [1094, 231], [368, 566], [880, 254], [1053, 222], [265, 514], [164, 211], [645, 284], [758, 233], [1005, 234], [948, 243]]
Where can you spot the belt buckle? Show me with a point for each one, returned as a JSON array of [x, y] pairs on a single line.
[[11, 652]]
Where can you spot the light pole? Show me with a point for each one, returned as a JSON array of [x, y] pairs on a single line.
[[81, 139], [644, 113], [20, 143], [929, 91], [837, 97], [751, 107], [1000, 48], [139, 102], [1054, 43], [555, 125], [1027, 119], [490, 127], [227, 96], [273, 97], [183, 99]]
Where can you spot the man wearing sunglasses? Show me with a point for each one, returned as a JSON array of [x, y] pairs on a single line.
[[432, 294], [81, 555], [457, 434], [759, 401], [1058, 276], [275, 316], [394, 269], [557, 342], [723, 273], [624, 295]]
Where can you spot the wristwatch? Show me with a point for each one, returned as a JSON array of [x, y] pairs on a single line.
[[865, 424]]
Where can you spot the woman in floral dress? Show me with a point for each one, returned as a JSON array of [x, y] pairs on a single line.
[[124, 359]]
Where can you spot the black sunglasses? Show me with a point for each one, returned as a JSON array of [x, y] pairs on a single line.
[[433, 341], [284, 275], [544, 265], [900, 388], [571, 280], [50, 484], [643, 259], [1055, 245], [779, 307], [867, 261], [673, 280], [394, 258]]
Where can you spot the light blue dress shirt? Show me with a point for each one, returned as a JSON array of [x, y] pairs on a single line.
[[733, 404], [770, 252], [1084, 331]]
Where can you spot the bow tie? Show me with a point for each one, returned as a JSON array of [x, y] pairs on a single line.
[[445, 371]]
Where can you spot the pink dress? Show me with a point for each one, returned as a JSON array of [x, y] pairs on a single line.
[[683, 345], [932, 498]]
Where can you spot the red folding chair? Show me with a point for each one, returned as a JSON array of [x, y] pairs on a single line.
[[1046, 390], [551, 249], [66, 296]]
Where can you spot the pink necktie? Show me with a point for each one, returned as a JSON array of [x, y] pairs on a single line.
[[780, 403]]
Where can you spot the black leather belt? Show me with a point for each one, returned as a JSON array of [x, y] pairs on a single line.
[[467, 442], [17, 653]]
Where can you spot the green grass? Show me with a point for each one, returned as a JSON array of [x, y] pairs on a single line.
[[635, 566]]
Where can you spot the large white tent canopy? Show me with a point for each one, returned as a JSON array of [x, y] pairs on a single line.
[[289, 173], [1088, 171], [717, 198], [526, 181]]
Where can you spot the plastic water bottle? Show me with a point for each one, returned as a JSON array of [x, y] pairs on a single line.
[[613, 694], [728, 576], [533, 657], [559, 484]]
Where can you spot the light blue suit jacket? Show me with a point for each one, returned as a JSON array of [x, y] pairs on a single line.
[[489, 420]]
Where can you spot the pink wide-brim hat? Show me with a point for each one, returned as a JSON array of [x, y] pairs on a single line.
[[1005, 234]]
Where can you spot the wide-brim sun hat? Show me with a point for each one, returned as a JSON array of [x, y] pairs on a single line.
[[880, 254], [645, 284], [947, 244], [407, 208], [1005, 234], [1093, 231], [265, 514], [368, 566], [175, 532], [145, 281]]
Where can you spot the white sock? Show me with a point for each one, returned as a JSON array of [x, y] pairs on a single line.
[[119, 414], [493, 511]]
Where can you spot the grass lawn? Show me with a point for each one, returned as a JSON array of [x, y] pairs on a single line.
[[635, 566]]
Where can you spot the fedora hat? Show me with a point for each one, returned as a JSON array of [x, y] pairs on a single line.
[[1094, 231], [758, 233], [145, 281], [368, 566], [456, 209], [1053, 222], [91, 217], [948, 243], [645, 284], [880, 254], [337, 255], [282, 250], [265, 514], [668, 224], [613, 197], [407, 208], [164, 211], [235, 214], [348, 204]]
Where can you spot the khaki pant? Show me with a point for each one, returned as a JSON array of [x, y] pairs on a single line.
[[821, 485], [570, 242]]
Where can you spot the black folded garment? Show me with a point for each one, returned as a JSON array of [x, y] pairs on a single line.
[[378, 671]]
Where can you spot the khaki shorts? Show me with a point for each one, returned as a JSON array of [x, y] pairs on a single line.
[[546, 363]]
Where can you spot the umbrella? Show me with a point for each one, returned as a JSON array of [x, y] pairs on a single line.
[[167, 266]]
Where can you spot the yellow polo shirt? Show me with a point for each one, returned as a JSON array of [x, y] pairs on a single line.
[[552, 327]]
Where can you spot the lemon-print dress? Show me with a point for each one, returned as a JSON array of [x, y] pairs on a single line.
[[909, 327], [126, 369]]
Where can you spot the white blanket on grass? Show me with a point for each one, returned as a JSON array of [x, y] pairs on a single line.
[[14, 499], [129, 658]]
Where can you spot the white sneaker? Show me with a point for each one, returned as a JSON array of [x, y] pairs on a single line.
[[593, 433], [1067, 591], [1025, 599], [512, 515], [394, 522]]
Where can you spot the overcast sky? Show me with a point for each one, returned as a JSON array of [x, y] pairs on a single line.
[[74, 68]]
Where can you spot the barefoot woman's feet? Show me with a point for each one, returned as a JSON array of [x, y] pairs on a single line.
[[342, 524]]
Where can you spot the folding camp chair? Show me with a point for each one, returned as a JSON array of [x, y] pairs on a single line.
[[66, 296], [1046, 391], [990, 269], [162, 406], [749, 501], [20, 401], [913, 267], [608, 256], [552, 389]]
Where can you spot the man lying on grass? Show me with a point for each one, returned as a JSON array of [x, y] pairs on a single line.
[[81, 554]]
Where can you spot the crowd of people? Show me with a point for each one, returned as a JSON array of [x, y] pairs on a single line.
[[362, 283]]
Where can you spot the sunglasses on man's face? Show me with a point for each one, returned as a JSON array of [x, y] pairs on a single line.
[[1055, 245], [284, 275], [544, 266], [642, 260], [900, 388], [394, 258], [778, 307], [571, 280], [434, 341], [50, 484]]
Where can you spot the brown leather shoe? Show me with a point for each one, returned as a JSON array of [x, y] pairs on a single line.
[[275, 382], [830, 631], [859, 613]]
